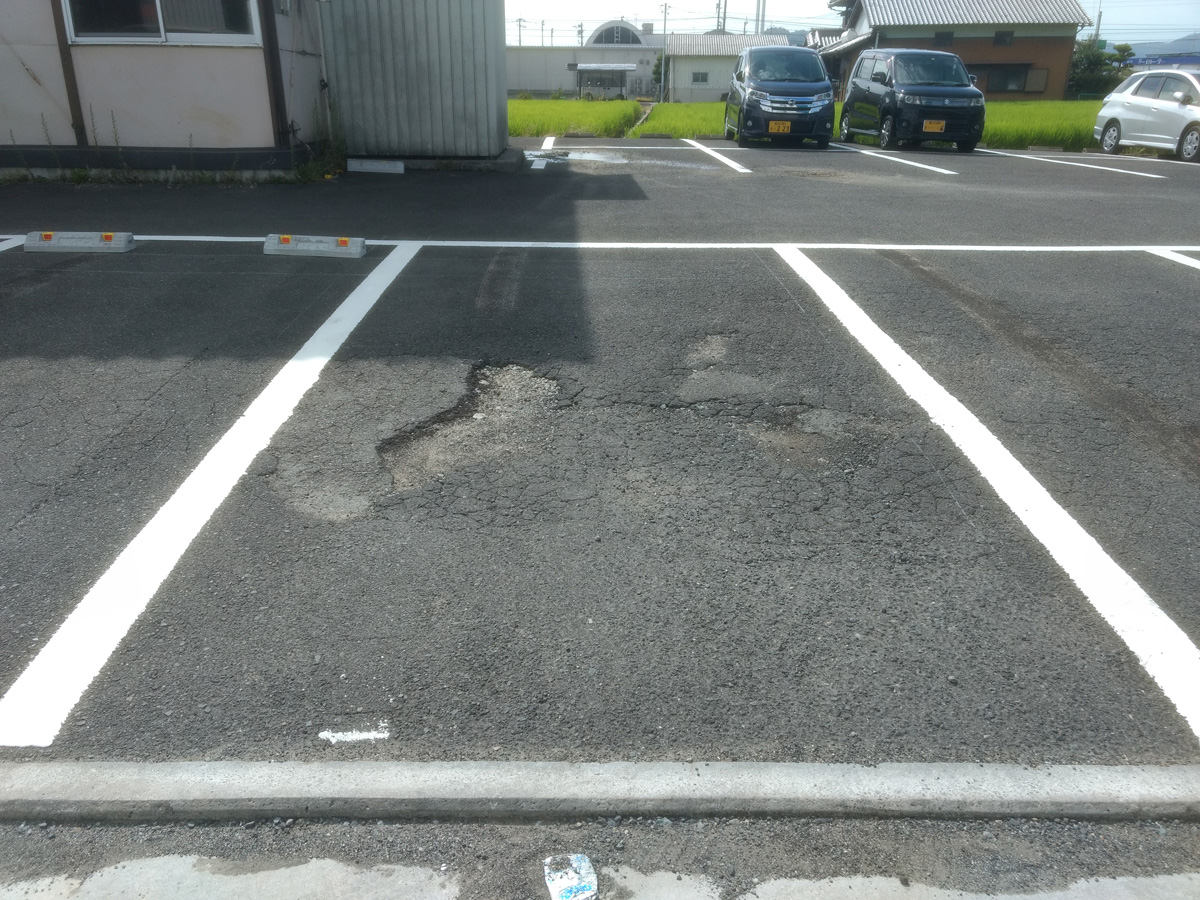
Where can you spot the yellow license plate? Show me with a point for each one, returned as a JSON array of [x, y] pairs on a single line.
[[934, 125], [779, 127]]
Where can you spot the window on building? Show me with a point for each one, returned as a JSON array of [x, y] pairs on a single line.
[[186, 21], [699, 78], [1006, 79], [617, 34], [1003, 39], [1035, 81], [943, 38]]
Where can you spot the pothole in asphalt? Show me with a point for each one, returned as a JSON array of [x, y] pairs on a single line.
[[498, 416]]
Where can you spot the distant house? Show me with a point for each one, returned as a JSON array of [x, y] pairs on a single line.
[[702, 64], [1018, 49], [616, 60]]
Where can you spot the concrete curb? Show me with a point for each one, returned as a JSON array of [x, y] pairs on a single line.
[[118, 791]]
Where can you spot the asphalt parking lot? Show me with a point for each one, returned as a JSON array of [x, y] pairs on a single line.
[[651, 452]]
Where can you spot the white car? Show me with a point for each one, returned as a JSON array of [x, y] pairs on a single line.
[[1159, 109]]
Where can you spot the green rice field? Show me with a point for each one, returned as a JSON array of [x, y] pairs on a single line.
[[543, 118], [1065, 124]]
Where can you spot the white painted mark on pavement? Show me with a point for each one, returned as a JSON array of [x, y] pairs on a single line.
[[10, 243], [539, 164], [713, 153], [1160, 645], [1063, 162], [1177, 257], [351, 737], [35, 707], [548, 143], [893, 157]]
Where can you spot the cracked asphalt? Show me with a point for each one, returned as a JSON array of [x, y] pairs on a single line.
[[577, 504]]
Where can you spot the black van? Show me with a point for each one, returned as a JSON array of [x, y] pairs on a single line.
[[779, 92], [912, 96]]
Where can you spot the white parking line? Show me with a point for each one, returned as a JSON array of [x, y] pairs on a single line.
[[724, 245], [538, 164], [37, 704], [548, 143], [1063, 162], [10, 243], [893, 157], [713, 153], [1177, 257], [1160, 645]]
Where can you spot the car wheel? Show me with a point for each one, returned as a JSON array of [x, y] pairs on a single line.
[[741, 139], [1110, 138], [887, 134], [1189, 144], [844, 134], [965, 146]]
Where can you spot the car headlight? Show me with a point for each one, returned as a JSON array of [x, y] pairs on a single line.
[[757, 95], [823, 98], [977, 101]]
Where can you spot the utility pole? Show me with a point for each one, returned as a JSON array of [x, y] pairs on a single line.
[[543, 38], [520, 30], [662, 66], [579, 28], [551, 37]]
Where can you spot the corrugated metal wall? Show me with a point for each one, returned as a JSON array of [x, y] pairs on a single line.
[[418, 77]]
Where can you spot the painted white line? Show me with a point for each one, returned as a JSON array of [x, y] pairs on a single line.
[[1162, 648], [10, 243], [1063, 162], [202, 239], [1177, 257], [539, 164], [354, 737], [723, 245], [37, 704], [548, 143], [890, 156], [239, 790], [713, 153]]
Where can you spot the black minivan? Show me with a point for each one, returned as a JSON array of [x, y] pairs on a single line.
[[912, 96], [779, 92]]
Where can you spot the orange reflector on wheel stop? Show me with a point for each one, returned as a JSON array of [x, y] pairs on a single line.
[[343, 242], [106, 236], [47, 235], [285, 239]]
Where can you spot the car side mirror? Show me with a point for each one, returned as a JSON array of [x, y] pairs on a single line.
[[1181, 97], [974, 78], [739, 76], [879, 77]]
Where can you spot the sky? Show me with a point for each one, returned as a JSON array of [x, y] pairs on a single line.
[[1122, 21]]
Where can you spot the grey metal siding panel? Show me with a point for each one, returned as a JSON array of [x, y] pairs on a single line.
[[418, 77]]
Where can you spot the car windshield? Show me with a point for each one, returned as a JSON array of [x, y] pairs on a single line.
[[940, 70], [785, 66]]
